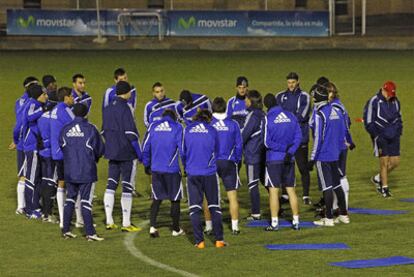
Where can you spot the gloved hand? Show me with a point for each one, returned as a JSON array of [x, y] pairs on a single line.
[[148, 170], [310, 165], [352, 146], [288, 158]]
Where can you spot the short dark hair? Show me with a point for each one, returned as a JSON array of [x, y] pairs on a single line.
[[203, 115], [77, 76], [269, 101], [255, 98], [185, 96], [119, 72], [80, 110], [62, 92], [170, 113], [156, 84], [219, 105], [322, 81], [292, 75], [48, 79], [29, 81]]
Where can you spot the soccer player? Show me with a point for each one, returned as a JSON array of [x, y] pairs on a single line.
[[60, 116], [228, 157], [189, 104], [297, 101], [82, 146], [329, 137], [18, 143], [253, 148], [47, 166], [199, 160], [78, 91], [33, 110], [50, 84], [162, 144], [236, 106], [154, 109], [122, 148], [348, 143], [382, 119], [282, 137], [110, 94]]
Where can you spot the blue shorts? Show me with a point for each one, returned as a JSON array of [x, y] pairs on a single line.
[[123, 170], [21, 163], [280, 175], [229, 174], [60, 170], [386, 147], [198, 186], [328, 175], [166, 186]]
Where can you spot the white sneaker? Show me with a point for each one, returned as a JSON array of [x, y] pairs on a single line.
[[179, 233], [20, 211], [81, 225], [342, 218], [69, 235], [325, 222], [94, 238]]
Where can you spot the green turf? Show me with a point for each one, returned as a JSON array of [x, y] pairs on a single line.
[[36, 249]]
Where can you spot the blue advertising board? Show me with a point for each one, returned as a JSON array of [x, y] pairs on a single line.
[[175, 23]]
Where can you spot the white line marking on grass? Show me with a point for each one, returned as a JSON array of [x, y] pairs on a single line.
[[130, 246]]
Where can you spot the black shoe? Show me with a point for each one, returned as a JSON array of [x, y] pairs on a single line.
[[378, 185], [307, 201], [283, 200], [235, 232], [208, 232], [386, 192], [295, 226], [155, 235], [270, 228]]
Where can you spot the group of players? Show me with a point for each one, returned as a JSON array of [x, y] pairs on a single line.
[[57, 151]]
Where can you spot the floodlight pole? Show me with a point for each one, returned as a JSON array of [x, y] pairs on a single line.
[[77, 4], [266, 7], [171, 4], [364, 18], [99, 38], [331, 17]]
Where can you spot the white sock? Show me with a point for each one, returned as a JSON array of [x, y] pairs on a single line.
[[153, 229], [296, 219], [20, 195], [209, 225], [377, 178], [78, 211], [345, 187], [109, 199], [285, 196], [126, 204], [235, 224], [335, 202], [275, 221], [60, 199]]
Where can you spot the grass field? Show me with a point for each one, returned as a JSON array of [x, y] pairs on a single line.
[[36, 249]]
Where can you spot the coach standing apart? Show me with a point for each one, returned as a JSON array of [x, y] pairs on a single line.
[[122, 148], [297, 102], [382, 118]]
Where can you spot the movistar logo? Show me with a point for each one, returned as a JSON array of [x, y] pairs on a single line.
[[25, 23], [186, 24]]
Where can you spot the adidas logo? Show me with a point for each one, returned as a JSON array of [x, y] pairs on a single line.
[[220, 126], [281, 118], [163, 127], [334, 115], [199, 129], [75, 131]]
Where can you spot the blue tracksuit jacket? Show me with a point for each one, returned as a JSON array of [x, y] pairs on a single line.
[[154, 109], [84, 99], [252, 136], [236, 109], [199, 102], [18, 127], [110, 95], [60, 116], [229, 138], [33, 110]]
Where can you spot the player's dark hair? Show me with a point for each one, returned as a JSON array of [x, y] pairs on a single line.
[[256, 99], [156, 84], [292, 75], [185, 96], [29, 81], [219, 105], [203, 115], [170, 113], [119, 72], [77, 76], [62, 92], [269, 101], [322, 81], [48, 79], [80, 110]]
